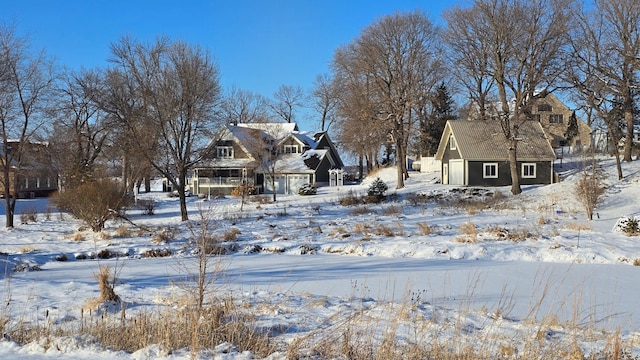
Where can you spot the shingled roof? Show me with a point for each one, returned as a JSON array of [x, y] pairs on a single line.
[[484, 140]]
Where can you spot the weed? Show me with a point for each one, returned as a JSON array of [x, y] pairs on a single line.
[[425, 229], [362, 210], [392, 210], [231, 234]]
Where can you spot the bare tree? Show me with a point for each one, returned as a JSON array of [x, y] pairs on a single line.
[[525, 44], [606, 59], [81, 128], [263, 141], [469, 56], [325, 97], [286, 99], [177, 89], [25, 85], [397, 55], [243, 106]]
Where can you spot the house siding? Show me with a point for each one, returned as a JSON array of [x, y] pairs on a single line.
[[476, 172], [556, 131]]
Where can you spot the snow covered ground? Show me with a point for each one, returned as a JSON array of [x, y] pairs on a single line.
[[495, 273]]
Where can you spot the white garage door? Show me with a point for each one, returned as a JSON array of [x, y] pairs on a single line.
[[295, 182], [456, 172]]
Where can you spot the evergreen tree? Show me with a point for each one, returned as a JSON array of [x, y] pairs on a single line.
[[572, 128], [443, 109]]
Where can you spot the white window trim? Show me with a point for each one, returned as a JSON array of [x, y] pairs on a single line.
[[291, 147], [524, 165], [452, 143], [484, 170], [224, 152]]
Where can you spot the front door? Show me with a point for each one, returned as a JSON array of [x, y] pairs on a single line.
[[445, 173]]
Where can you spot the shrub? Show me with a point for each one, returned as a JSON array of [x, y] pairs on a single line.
[[307, 189], [93, 202], [231, 234], [630, 226], [377, 188], [29, 215], [590, 189], [350, 199], [106, 282], [244, 190]]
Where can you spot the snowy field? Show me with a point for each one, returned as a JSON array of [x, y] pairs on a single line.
[[310, 263]]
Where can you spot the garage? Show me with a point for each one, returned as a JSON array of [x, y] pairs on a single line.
[[295, 182]]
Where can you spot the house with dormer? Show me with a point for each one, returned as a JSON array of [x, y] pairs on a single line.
[[253, 153]]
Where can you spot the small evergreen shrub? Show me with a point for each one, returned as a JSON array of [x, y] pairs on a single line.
[[307, 189], [377, 188]]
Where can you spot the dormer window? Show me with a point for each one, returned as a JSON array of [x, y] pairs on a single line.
[[224, 152], [291, 149]]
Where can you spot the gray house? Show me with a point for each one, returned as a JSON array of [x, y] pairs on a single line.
[[237, 156], [474, 153]]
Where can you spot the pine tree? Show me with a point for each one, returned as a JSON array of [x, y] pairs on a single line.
[[443, 109], [572, 128]]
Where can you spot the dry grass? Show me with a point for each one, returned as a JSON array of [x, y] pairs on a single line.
[[361, 210], [106, 281], [469, 233], [384, 230], [392, 210], [26, 249], [362, 229], [425, 229], [636, 262], [122, 232], [577, 226], [163, 235], [231, 234]]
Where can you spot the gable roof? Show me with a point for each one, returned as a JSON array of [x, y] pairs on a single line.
[[484, 140]]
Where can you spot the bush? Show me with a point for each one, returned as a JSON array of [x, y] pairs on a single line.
[[93, 202], [377, 188], [307, 189], [244, 190]]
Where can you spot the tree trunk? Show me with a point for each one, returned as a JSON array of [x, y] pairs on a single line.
[[614, 146], [360, 166], [7, 197], [628, 138], [398, 137], [182, 177], [513, 166]]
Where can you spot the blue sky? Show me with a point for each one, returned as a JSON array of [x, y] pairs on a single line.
[[258, 44]]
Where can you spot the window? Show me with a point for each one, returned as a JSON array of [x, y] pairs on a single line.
[[452, 143], [528, 171], [545, 107], [291, 149], [490, 170], [555, 119], [535, 117], [225, 151]]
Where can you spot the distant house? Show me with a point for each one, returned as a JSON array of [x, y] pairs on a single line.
[[474, 153], [554, 116], [37, 175], [237, 156]]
